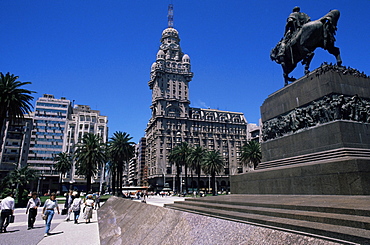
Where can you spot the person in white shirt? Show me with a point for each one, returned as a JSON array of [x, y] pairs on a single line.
[[31, 209], [76, 207], [48, 210], [7, 209], [89, 206]]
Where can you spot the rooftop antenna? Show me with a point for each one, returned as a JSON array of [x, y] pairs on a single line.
[[170, 15]]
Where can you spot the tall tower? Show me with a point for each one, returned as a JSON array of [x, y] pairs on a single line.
[[169, 81], [173, 120]]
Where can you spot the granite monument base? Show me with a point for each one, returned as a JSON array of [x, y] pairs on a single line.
[[316, 137]]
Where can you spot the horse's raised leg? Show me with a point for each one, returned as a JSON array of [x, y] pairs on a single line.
[[307, 61], [336, 52]]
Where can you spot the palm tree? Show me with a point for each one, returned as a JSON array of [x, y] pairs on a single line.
[[180, 156], [121, 150], [90, 155], [18, 180], [251, 153], [196, 157], [63, 164], [14, 100], [112, 170], [213, 164]]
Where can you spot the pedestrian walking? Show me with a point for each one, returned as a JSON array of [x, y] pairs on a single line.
[[97, 200], [76, 207], [89, 205], [7, 210], [31, 209], [68, 203], [48, 210]]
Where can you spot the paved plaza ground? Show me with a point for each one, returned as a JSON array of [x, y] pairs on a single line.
[[62, 232]]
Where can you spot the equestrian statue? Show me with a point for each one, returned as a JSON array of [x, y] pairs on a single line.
[[302, 36]]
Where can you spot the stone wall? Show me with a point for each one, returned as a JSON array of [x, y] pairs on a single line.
[[345, 177], [123, 221]]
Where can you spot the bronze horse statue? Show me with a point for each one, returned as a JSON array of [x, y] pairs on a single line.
[[302, 44]]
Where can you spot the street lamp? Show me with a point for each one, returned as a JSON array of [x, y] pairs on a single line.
[[38, 182]]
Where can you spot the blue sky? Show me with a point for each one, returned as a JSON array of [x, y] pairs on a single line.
[[99, 53]]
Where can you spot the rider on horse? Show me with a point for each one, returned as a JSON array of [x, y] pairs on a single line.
[[294, 23]]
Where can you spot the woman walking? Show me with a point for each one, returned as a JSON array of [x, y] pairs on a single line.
[[76, 207], [48, 210], [89, 205]]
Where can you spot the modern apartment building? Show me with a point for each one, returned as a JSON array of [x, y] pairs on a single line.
[[13, 154], [173, 120], [58, 127], [50, 121]]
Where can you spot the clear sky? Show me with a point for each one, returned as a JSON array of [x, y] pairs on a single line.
[[99, 53]]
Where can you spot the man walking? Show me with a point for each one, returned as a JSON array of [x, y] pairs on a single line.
[[68, 203], [7, 209], [31, 209]]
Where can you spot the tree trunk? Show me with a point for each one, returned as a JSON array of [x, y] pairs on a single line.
[[198, 169], [60, 184], [88, 183], [186, 178], [192, 179], [120, 177], [114, 182], [213, 184], [178, 171]]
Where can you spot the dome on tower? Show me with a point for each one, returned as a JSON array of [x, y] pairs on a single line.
[[160, 55], [186, 58], [170, 32], [154, 65]]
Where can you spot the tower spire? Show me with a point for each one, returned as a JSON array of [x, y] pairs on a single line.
[[170, 15]]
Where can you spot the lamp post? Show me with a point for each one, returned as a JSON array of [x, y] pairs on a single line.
[[38, 182]]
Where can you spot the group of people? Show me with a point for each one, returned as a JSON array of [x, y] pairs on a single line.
[[73, 204]]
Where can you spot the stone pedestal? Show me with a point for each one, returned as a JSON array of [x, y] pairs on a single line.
[[314, 130]]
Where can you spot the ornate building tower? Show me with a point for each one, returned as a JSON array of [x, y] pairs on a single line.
[[173, 121]]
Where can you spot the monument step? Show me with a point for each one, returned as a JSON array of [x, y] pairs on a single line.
[[362, 222], [343, 233], [339, 217], [323, 156]]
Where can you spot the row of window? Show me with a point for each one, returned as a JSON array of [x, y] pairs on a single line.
[[46, 146], [49, 140], [50, 121], [51, 105], [44, 152]]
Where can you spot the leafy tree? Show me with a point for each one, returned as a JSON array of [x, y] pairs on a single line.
[[121, 150], [14, 100], [251, 153], [63, 164], [196, 157], [90, 155], [180, 156], [18, 180], [213, 164]]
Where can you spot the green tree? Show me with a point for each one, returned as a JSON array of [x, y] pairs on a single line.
[[121, 150], [251, 154], [196, 157], [213, 164], [14, 100], [17, 181], [90, 155], [63, 164], [180, 156]]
